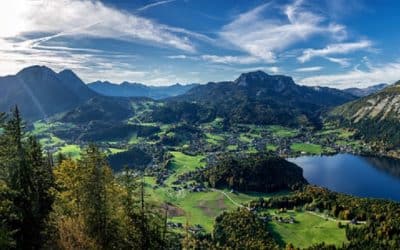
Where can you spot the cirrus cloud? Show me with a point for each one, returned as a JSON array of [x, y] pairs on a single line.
[[262, 36], [87, 18], [334, 49], [389, 73], [230, 59], [309, 69]]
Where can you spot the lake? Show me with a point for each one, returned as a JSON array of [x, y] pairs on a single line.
[[377, 177]]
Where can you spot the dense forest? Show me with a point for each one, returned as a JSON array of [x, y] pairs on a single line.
[[173, 112], [255, 172], [68, 204]]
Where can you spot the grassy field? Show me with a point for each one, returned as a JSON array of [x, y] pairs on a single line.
[[196, 207], [116, 150], [307, 148], [308, 229], [72, 151], [282, 132], [271, 147], [339, 132], [200, 207], [182, 163], [245, 138], [214, 139], [134, 139], [232, 147]]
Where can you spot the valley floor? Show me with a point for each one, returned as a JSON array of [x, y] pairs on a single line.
[[197, 205]]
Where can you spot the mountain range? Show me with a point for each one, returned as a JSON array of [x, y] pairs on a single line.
[[40, 92], [361, 92], [257, 97], [254, 97], [127, 89]]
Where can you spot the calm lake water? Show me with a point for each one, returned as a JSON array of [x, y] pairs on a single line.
[[376, 177]]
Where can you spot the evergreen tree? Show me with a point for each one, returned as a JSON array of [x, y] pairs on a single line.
[[43, 182], [20, 181], [27, 175], [97, 202], [8, 216], [146, 228]]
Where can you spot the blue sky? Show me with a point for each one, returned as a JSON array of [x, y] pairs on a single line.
[[337, 43]]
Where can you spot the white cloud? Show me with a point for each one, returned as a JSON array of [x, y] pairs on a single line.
[[178, 57], [230, 59], [309, 69], [85, 18], [151, 5], [362, 78], [273, 69], [262, 35], [41, 31], [334, 49], [344, 62]]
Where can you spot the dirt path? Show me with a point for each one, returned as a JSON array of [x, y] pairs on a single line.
[[333, 219], [229, 198]]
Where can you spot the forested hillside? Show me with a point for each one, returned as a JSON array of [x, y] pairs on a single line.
[[253, 173], [259, 98], [61, 203], [376, 117]]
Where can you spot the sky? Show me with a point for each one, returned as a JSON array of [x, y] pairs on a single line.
[[335, 43]]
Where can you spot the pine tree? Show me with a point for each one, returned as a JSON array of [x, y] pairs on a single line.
[[97, 205], [43, 182], [20, 181], [27, 175]]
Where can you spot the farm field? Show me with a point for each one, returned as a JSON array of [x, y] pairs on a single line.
[[309, 148], [307, 230]]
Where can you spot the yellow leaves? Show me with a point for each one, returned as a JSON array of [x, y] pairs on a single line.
[[66, 174], [67, 178], [72, 235]]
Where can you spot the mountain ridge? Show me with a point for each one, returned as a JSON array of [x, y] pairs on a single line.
[[41, 92], [128, 89], [361, 92], [257, 97], [376, 116]]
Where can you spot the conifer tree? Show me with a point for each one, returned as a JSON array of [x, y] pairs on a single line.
[[26, 174], [97, 204]]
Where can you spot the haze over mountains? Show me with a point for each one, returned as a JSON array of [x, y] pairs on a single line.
[[360, 92], [253, 97], [127, 89]]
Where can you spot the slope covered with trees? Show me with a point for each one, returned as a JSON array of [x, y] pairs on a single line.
[[70, 204], [254, 172], [259, 98], [376, 117]]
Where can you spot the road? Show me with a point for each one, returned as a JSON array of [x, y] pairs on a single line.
[[333, 219], [229, 198]]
